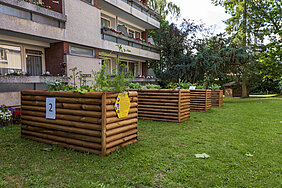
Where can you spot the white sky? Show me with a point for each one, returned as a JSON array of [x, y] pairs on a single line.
[[203, 11]]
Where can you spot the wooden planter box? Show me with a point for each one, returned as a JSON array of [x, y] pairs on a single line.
[[217, 98], [163, 104], [85, 122], [200, 100]]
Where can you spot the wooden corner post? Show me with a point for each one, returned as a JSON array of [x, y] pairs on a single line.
[[179, 105], [104, 124]]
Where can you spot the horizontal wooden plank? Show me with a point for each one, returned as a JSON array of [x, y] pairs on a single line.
[[65, 117], [63, 122], [64, 100], [62, 128], [62, 134], [63, 139], [62, 94], [62, 144], [64, 111]]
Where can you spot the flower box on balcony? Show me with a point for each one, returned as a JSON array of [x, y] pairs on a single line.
[[85, 122]]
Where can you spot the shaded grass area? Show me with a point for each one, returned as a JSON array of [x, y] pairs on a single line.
[[164, 155]]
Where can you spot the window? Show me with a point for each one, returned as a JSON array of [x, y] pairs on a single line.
[[111, 66], [122, 28], [91, 2], [36, 1], [137, 34], [10, 58], [81, 50], [131, 33], [3, 54], [105, 23]]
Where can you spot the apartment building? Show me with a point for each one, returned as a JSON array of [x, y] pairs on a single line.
[[37, 36], [56, 35]]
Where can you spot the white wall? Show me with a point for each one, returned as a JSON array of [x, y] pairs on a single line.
[[83, 24], [84, 64]]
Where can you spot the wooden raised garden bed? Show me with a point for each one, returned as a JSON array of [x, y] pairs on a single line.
[[163, 104], [85, 122], [217, 98], [200, 99]]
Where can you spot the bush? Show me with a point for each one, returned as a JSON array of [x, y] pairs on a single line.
[[153, 86], [135, 86]]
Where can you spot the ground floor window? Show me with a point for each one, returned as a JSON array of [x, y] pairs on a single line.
[[10, 58], [34, 62], [82, 50]]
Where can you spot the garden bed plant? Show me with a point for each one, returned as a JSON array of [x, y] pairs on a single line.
[[9, 116]]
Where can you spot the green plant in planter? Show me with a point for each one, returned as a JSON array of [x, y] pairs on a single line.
[[200, 87], [171, 85], [58, 85], [101, 79], [121, 80], [153, 86], [215, 87], [135, 86]]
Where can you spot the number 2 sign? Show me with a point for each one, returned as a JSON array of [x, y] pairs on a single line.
[[51, 108]]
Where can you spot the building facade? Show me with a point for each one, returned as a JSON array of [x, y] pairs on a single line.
[[37, 36]]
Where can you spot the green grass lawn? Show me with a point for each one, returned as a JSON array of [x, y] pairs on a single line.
[[164, 155]]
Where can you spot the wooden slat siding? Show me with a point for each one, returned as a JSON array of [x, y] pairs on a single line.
[[163, 104], [104, 124], [217, 98], [81, 121], [200, 100], [123, 130]]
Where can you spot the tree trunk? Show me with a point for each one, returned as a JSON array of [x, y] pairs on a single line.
[[245, 92]]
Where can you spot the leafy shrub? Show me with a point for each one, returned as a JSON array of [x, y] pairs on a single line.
[[135, 86], [171, 85], [215, 87], [153, 86]]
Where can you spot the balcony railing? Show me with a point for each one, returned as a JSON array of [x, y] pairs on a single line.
[[143, 8], [33, 12], [120, 38]]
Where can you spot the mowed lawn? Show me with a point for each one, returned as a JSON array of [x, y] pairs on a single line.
[[164, 155]]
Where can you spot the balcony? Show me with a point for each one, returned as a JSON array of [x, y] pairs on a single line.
[[120, 38], [23, 17], [133, 11], [139, 48]]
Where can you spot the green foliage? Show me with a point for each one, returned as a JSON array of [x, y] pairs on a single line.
[[200, 87], [214, 87], [165, 8], [122, 80], [185, 85], [135, 86], [58, 85], [153, 86], [171, 85], [100, 82]]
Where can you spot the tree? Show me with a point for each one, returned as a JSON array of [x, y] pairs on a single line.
[[176, 50], [252, 21], [164, 8]]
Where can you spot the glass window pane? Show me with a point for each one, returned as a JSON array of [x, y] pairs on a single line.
[[10, 58], [80, 50], [105, 23], [137, 35], [131, 33]]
